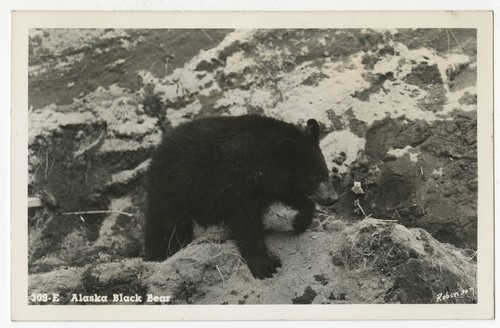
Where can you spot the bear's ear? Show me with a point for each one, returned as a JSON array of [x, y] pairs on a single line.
[[312, 130], [287, 147]]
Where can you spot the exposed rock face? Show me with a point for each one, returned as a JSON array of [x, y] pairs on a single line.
[[398, 112]]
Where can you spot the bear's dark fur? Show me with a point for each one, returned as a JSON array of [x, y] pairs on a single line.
[[230, 169]]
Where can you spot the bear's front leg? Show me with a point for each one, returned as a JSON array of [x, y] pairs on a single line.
[[250, 241], [304, 216], [258, 260]]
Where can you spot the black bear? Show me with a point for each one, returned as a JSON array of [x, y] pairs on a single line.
[[230, 170]]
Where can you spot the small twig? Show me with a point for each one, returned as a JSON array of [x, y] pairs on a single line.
[[381, 220], [345, 193], [321, 211], [208, 37], [324, 257], [33, 178], [171, 237], [269, 290], [362, 211], [421, 277], [359, 206], [474, 254], [390, 253], [280, 215], [223, 281], [46, 163], [448, 38], [456, 40], [52, 164], [89, 164], [393, 215], [97, 212], [366, 254]]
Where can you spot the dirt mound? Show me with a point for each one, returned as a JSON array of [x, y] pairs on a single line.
[[368, 262]]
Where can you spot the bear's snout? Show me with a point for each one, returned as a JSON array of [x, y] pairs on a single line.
[[325, 194]]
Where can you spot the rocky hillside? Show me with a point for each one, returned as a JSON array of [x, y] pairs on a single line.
[[398, 112]]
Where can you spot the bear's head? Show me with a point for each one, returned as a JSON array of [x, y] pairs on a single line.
[[306, 165]]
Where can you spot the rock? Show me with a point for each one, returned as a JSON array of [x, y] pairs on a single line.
[[468, 99]]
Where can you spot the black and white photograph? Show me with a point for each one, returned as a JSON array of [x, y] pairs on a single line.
[[240, 166]]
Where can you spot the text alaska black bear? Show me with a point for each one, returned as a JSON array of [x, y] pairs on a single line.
[[230, 169]]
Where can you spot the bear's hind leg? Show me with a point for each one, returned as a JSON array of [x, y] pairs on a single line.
[[165, 233]]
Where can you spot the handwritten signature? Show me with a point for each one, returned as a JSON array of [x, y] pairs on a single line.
[[443, 297]]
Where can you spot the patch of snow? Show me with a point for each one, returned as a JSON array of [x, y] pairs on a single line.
[[393, 63], [453, 98], [122, 117], [148, 77], [341, 141], [304, 51], [116, 63], [236, 110], [126, 44], [293, 101], [186, 80], [237, 100], [262, 98], [302, 102], [46, 120], [237, 63], [179, 116], [398, 152], [437, 173], [70, 61], [118, 145]]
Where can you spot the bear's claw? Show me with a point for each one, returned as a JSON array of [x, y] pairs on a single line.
[[263, 267]]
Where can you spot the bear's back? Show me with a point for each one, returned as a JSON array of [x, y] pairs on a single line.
[[219, 152], [226, 127], [215, 139]]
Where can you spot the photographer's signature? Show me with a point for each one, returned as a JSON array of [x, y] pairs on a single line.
[[443, 297]]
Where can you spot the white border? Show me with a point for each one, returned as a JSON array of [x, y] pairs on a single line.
[[297, 19]]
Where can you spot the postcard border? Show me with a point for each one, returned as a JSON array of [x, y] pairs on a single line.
[[22, 21]]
